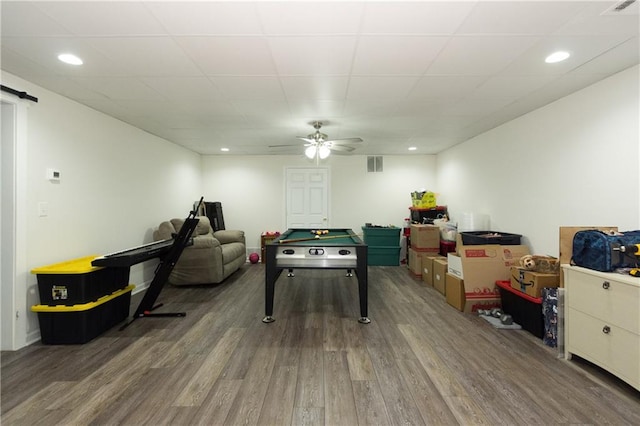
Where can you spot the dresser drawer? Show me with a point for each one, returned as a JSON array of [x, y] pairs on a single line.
[[614, 349], [616, 302]]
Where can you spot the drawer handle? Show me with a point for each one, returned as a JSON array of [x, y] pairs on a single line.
[[606, 329], [606, 285]]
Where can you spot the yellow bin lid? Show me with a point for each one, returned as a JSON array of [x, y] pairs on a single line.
[[81, 265], [83, 306]]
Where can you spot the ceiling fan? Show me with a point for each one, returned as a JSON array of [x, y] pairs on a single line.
[[318, 145]]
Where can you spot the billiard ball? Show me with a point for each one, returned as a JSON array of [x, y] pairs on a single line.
[[325, 232], [317, 236]]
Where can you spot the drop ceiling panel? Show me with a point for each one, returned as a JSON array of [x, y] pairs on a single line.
[[313, 56], [322, 88], [408, 55], [439, 18], [146, 56], [221, 55], [207, 17], [320, 17], [25, 19], [103, 18]]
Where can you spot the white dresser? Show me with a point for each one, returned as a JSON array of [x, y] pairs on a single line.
[[602, 320]]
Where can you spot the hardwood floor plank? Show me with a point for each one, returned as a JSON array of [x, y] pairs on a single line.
[[310, 385], [370, 406], [215, 409], [340, 406], [277, 408], [202, 382], [308, 416], [248, 403]]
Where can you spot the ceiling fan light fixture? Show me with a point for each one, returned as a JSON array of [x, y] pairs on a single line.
[[323, 151], [310, 152]]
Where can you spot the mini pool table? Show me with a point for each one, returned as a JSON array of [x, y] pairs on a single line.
[[337, 248]]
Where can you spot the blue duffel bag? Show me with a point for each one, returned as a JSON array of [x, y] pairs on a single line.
[[599, 250]]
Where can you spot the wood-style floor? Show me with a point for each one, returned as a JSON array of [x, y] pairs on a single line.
[[418, 362]]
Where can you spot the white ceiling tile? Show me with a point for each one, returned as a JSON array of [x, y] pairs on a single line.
[[249, 87], [212, 110], [146, 56], [310, 17], [119, 88], [207, 17], [265, 107], [317, 108], [246, 55], [415, 17], [582, 48], [409, 55], [45, 51], [478, 106], [593, 21], [320, 88], [511, 85], [479, 55], [186, 88], [103, 17], [613, 60], [380, 87], [21, 18], [519, 17], [313, 56], [446, 86]]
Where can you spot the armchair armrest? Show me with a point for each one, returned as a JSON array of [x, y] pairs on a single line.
[[229, 236]]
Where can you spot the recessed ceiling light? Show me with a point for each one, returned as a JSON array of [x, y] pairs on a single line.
[[412, 148], [224, 149], [557, 57], [69, 58]]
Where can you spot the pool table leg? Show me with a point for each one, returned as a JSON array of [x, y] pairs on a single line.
[[270, 277], [349, 273], [363, 283]]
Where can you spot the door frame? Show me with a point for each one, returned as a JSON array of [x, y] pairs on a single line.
[[286, 194], [13, 260]]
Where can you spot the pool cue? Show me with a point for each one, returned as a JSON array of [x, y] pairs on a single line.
[[329, 237]]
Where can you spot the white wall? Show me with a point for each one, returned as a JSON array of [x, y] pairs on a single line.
[[251, 190], [117, 184], [571, 163]]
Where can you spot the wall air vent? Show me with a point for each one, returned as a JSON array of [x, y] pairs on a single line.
[[374, 164], [626, 7]]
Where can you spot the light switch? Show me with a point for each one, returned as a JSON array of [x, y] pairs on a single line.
[[43, 209]]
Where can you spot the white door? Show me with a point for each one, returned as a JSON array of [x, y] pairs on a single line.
[[307, 191], [7, 242]]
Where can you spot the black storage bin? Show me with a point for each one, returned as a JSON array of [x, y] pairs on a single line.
[[64, 325], [489, 237], [428, 215], [76, 281], [524, 309]]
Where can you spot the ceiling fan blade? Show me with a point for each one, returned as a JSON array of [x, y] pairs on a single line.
[[341, 148], [283, 146], [305, 139], [346, 140]]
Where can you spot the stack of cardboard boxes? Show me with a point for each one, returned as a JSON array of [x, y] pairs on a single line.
[[472, 272], [425, 243]]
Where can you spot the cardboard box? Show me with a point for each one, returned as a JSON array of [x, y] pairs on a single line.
[[427, 268], [483, 265], [454, 265], [473, 302], [440, 274], [415, 262], [455, 291], [532, 283], [425, 238], [468, 302]]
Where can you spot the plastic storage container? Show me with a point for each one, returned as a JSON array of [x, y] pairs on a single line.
[[76, 324], [383, 256], [381, 236], [76, 281], [489, 237], [524, 309]]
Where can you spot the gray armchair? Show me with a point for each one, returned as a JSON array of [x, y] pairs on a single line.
[[212, 257]]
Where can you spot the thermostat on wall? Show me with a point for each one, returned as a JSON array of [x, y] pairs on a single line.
[[53, 174]]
